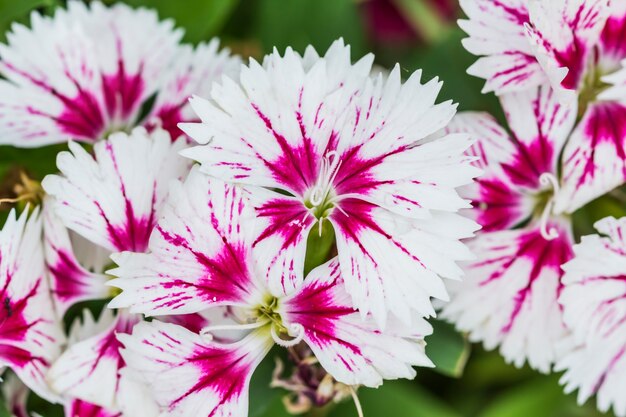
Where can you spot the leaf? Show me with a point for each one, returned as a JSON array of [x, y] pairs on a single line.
[[298, 23], [538, 397], [3, 409], [397, 399], [262, 397], [318, 248], [17, 10], [201, 19], [447, 348]]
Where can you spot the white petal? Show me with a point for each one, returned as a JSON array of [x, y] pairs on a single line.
[[189, 376], [115, 198]]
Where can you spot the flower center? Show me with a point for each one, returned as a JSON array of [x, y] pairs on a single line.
[[264, 316], [321, 199]]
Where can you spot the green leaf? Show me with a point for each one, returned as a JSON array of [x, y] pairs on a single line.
[[17, 10], [262, 397], [397, 399], [38, 162], [447, 348], [541, 396], [201, 19], [3, 409], [318, 248], [298, 23]]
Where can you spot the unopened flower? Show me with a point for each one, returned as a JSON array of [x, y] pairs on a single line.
[[30, 333], [90, 70], [508, 297], [201, 256], [577, 46], [316, 139], [594, 308]]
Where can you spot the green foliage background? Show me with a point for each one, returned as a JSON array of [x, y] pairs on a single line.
[[467, 381]]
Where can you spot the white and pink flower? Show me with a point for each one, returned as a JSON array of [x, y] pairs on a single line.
[[594, 308], [576, 46], [316, 139], [90, 70], [202, 255], [509, 295]]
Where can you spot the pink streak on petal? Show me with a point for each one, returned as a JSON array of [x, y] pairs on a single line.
[[530, 162], [226, 278], [69, 279], [287, 218], [14, 326], [613, 37], [122, 92], [78, 408], [135, 233], [297, 167], [315, 308], [542, 254], [222, 370], [518, 16], [606, 122], [502, 204]]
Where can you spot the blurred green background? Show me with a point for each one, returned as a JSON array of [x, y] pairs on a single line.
[[416, 34]]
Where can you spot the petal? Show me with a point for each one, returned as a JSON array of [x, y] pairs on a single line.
[[193, 73], [89, 369], [199, 254], [82, 72], [392, 264], [508, 297], [283, 227], [498, 204], [76, 407], [612, 47], [564, 33], [30, 336], [70, 282], [496, 32], [190, 376], [271, 128], [595, 157], [114, 198], [354, 351], [594, 307]]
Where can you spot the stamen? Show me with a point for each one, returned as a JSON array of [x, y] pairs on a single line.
[[552, 233], [16, 199], [207, 332], [328, 173], [357, 403], [295, 328], [548, 179]]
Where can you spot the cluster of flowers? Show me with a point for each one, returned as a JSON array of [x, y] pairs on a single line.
[[558, 68], [212, 241]]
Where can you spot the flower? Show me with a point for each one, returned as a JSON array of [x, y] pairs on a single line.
[[202, 256], [30, 334], [577, 46], [508, 297], [316, 139], [91, 70], [110, 201], [594, 308]]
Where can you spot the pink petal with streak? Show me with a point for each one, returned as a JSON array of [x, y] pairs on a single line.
[[200, 253], [595, 157], [352, 349], [188, 374]]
